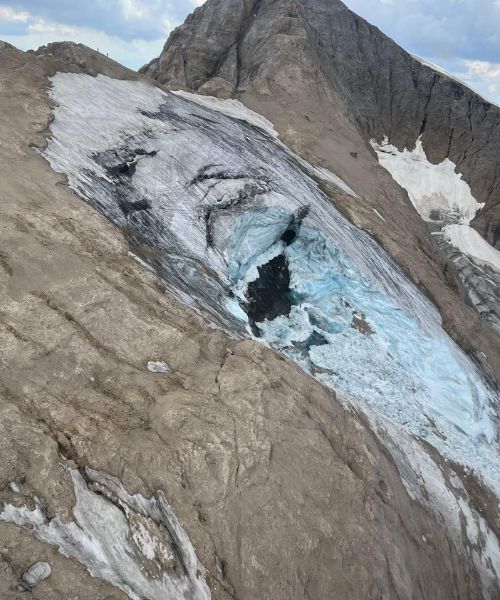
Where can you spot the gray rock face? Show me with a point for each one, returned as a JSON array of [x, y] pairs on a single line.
[[479, 284], [378, 85], [35, 575]]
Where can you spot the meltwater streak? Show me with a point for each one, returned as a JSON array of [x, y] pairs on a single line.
[[180, 179]]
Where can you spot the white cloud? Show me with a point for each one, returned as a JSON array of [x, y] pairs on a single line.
[[484, 69], [9, 15], [131, 11], [484, 75], [49, 27], [152, 14]]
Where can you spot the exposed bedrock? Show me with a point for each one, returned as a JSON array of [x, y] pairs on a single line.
[[268, 295]]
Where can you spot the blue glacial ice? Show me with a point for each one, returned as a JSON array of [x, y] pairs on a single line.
[[355, 337]]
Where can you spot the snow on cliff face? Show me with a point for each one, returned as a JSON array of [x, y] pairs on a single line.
[[231, 221], [445, 201], [441, 196], [436, 191], [472, 244]]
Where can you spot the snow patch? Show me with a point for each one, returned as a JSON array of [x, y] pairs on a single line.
[[437, 192], [440, 196], [134, 543], [231, 108], [158, 367], [471, 243]]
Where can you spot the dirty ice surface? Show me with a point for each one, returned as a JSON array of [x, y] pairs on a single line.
[[237, 110], [231, 108], [135, 543], [210, 202]]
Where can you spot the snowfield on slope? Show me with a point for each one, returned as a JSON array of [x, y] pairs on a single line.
[[218, 208], [437, 192], [440, 195]]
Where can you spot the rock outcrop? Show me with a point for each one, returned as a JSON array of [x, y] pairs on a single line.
[[283, 491]]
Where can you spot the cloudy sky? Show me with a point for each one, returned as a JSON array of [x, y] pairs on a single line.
[[461, 36]]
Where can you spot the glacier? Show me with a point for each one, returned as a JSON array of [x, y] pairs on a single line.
[[223, 212], [356, 338]]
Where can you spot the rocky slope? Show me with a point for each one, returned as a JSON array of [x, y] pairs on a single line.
[[142, 440], [330, 82]]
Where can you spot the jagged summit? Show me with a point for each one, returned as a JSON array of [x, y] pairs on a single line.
[[272, 45]]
